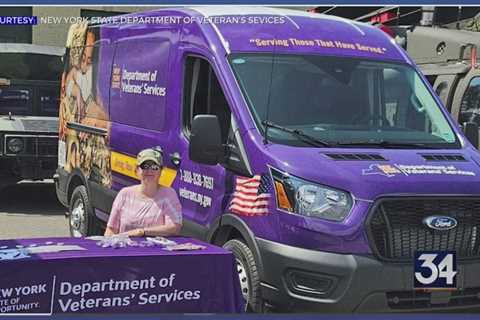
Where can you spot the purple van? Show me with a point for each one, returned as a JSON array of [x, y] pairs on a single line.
[[310, 146]]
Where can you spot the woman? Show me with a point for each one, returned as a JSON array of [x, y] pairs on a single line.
[[147, 209]]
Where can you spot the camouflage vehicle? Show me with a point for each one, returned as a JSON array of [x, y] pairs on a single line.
[[448, 58], [443, 42], [29, 99]]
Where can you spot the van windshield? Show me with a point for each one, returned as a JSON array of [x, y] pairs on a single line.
[[341, 101]]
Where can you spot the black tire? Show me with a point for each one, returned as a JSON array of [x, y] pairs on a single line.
[[82, 220], [248, 276]]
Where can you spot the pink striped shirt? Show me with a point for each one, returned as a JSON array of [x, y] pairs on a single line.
[[131, 211]]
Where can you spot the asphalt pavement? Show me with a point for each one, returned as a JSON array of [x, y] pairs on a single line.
[[31, 210]]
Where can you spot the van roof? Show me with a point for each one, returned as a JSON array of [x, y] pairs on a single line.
[[267, 29]]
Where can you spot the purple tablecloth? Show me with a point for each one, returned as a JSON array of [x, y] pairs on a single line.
[[123, 280]]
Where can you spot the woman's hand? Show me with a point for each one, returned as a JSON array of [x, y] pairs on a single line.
[[169, 229], [110, 232], [136, 233]]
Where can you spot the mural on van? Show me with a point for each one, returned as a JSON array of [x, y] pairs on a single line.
[[84, 124]]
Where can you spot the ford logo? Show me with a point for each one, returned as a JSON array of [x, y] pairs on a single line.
[[441, 223]]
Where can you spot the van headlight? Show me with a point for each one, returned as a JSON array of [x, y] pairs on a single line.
[[310, 199], [15, 145]]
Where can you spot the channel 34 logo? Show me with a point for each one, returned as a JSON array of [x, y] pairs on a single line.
[[435, 270]]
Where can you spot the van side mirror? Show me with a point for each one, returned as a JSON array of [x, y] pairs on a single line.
[[471, 132], [205, 140]]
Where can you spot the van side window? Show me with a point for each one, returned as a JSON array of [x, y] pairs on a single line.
[[470, 106], [202, 94]]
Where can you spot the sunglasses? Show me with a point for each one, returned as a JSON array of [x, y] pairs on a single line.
[[150, 166]]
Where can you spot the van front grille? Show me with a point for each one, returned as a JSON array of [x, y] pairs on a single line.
[[396, 228]]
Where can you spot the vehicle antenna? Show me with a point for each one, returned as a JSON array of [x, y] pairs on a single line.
[[266, 123]]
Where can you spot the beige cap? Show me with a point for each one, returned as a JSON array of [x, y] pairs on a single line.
[[149, 154]]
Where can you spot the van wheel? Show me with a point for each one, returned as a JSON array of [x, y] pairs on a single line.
[[248, 274], [81, 218]]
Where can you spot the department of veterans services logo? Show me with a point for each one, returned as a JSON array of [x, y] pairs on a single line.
[[381, 169], [389, 170]]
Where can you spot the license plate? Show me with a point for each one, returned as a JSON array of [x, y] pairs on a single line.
[[435, 270]]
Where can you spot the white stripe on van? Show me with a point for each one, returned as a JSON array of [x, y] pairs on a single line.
[[279, 12], [225, 43]]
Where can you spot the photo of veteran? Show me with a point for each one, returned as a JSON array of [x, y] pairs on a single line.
[[146, 209]]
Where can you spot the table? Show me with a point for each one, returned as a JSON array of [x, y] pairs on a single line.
[[121, 280]]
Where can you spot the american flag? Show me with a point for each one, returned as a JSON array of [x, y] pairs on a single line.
[[251, 196]]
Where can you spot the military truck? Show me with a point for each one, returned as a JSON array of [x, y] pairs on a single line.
[[448, 58], [29, 100], [443, 41]]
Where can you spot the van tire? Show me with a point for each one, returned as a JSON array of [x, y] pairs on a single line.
[[248, 274], [81, 219]]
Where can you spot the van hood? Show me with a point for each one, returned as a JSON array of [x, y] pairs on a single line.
[[371, 173], [28, 124]]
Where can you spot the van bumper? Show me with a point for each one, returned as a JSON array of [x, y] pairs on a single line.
[[301, 280]]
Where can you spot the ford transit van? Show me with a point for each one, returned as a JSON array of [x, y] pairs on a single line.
[[310, 146]]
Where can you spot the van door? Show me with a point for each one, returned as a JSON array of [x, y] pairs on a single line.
[[201, 188]]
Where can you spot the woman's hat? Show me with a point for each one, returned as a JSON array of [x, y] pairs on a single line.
[[149, 154]]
